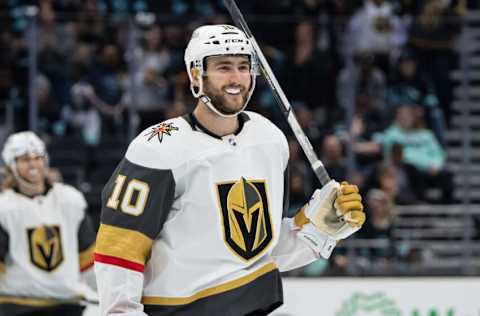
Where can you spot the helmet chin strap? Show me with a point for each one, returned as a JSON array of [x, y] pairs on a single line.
[[208, 102]]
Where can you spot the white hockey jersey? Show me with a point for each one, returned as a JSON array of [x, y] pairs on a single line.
[[45, 243], [192, 224]]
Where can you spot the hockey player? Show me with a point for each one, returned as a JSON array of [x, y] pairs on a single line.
[[192, 220], [46, 238]]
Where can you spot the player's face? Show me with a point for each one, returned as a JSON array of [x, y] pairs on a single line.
[[227, 82], [31, 168]]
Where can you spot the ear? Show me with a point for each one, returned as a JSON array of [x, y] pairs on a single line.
[[195, 76]]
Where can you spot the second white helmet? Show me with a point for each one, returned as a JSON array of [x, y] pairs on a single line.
[[215, 40], [22, 143]]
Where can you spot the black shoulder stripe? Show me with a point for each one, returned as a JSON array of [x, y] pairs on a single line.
[[138, 198], [286, 191], [4, 240], [86, 233], [188, 117]]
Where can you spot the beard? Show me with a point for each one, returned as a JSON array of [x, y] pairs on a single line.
[[221, 102]]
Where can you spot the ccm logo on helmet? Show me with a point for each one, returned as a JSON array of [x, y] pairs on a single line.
[[234, 40]]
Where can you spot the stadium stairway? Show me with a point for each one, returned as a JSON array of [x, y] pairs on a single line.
[[466, 112]]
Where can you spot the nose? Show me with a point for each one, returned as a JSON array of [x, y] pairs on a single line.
[[235, 75], [238, 77]]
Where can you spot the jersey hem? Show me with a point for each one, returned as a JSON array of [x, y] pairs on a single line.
[[231, 285]]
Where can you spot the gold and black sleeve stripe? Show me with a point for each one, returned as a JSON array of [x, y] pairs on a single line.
[[85, 258], [122, 247], [86, 243]]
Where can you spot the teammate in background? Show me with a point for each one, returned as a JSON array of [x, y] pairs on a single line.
[[193, 216], [46, 238]]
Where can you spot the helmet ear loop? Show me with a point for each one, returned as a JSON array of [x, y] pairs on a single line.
[[196, 74]]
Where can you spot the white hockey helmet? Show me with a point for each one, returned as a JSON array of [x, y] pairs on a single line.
[[215, 40], [22, 143]]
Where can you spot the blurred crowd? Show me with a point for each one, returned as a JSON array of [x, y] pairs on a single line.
[[369, 81]]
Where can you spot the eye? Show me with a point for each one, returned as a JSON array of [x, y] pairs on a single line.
[[223, 68], [244, 68]]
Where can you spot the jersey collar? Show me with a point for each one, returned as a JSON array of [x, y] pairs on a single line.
[[48, 187], [196, 125]]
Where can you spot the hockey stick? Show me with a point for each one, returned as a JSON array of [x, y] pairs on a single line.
[[315, 163]]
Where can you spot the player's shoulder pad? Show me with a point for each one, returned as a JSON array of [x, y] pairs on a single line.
[[7, 200], [69, 195], [68, 191], [266, 129], [268, 133], [161, 146]]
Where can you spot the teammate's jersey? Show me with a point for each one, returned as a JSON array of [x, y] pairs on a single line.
[[201, 217], [45, 242]]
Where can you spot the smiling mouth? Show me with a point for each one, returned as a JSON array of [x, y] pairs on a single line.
[[233, 91]]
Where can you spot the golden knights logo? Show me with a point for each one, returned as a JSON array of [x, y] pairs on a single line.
[[160, 130], [246, 216], [45, 245]]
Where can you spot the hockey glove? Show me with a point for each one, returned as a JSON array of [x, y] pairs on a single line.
[[333, 213]]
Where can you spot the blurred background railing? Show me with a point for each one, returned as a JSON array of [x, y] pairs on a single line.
[[387, 91]]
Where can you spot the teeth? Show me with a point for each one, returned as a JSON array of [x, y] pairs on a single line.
[[232, 90], [33, 172]]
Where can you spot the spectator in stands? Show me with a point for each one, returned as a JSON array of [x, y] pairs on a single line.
[[421, 150], [309, 124], [366, 154], [19, 50], [369, 83], [381, 209], [85, 115], [311, 75], [409, 86], [392, 177], [333, 158], [6, 63], [381, 212], [48, 108], [90, 24], [56, 40], [432, 36], [368, 101], [153, 92], [106, 79], [300, 177], [376, 28], [402, 171]]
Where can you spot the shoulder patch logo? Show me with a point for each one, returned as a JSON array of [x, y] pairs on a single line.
[[247, 225], [160, 130]]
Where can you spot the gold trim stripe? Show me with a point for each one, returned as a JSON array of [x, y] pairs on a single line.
[[85, 257], [27, 301], [171, 301], [123, 243]]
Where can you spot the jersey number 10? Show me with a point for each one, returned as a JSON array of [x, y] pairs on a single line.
[[129, 205]]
